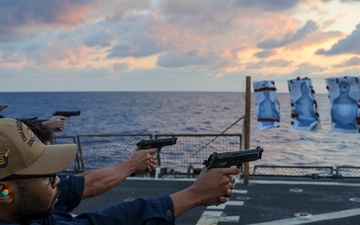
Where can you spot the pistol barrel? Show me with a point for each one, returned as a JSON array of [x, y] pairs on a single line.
[[67, 113], [157, 143], [228, 159]]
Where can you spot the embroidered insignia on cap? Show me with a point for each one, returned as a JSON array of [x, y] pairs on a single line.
[[4, 158], [34, 137]]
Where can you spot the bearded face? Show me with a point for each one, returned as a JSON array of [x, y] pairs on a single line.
[[32, 203]]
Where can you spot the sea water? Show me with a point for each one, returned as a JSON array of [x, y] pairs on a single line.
[[191, 113]]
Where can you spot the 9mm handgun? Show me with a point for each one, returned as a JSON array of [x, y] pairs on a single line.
[[67, 113], [228, 159], [157, 143]]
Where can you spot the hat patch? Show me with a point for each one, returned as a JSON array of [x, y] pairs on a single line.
[[21, 132], [4, 158], [23, 136]]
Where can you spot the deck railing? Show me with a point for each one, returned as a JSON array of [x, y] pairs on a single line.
[[183, 158]]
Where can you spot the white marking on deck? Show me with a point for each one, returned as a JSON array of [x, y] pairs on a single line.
[[305, 182], [222, 206], [239, 191], [213, 217], [314, 218]]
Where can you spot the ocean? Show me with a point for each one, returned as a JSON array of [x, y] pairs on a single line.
[[191, 113]]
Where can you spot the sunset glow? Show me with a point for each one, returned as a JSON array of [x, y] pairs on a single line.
[[174, 45]]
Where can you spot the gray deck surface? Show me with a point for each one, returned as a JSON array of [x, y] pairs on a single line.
[[265, 201]]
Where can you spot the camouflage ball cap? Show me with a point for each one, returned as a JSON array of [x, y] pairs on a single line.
[[22, 153]]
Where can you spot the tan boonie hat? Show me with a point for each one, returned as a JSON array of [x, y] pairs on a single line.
[[22, 153]]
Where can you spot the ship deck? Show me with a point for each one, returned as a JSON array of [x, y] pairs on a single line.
[[265, 200]]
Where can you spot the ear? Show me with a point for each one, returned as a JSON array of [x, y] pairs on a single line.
[[9, 198]]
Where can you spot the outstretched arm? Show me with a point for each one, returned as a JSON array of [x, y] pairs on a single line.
[[56, 123], [98, 181], [213, 187]]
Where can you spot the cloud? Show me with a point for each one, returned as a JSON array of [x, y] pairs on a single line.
[[346, 1], [20, 18], [190, 58], [206, 17], [269, 5], [265, 53], [289, 38], [136, 47], [272, 63], [350, 44], [120, 66], [306, 69], [98, 39], [10, 57], [189, 39], [118, 10], [17, 13], [192, 7], [354, 61]]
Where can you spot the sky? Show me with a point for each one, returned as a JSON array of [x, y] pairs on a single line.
[[175, 45]]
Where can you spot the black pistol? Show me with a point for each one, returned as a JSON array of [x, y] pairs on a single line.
[[228, 159], [67, 113], [157, 143]]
